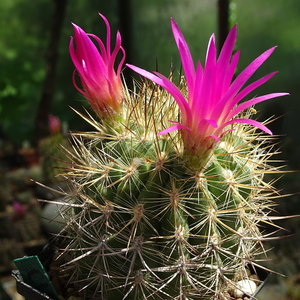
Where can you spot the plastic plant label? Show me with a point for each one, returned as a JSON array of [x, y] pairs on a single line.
[[34, 274]]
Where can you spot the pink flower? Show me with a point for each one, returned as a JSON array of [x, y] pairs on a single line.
[[213, 98], [54, 124], [101, 84], [19, 210]]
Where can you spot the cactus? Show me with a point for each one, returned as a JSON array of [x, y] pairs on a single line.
[[52, 156], [167, 213]]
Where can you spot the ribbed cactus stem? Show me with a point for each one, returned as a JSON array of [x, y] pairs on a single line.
[[148, 227]]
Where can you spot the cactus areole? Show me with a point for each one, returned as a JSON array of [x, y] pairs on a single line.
[[159, 212]]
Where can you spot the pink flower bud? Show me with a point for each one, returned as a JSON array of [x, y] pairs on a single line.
[[54, 124], [101, 83]]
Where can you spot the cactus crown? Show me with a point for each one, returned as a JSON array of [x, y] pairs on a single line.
[[176, 213]]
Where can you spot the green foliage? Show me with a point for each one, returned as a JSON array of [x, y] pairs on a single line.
[[25, 30], [22, 40]]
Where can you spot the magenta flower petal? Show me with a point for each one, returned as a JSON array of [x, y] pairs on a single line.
[[228, 75], [173, 128], [250, 122], [88, 55], [227, 101], [185, 55], [101, 83], [176, 93], [251, 87], [204, 90], [167, 85], [254, 101], [211, 53], [213, 96], [227, 49], [216, 138]]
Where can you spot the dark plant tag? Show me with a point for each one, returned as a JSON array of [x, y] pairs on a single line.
[[34, 274]]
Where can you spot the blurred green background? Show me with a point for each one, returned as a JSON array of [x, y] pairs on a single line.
[[26, 29], [25, 32]]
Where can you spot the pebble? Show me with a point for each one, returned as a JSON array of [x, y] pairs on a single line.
[[243, 287]]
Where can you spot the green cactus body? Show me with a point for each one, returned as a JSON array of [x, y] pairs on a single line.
[[160, 211], [147, 226], [52, 156]]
